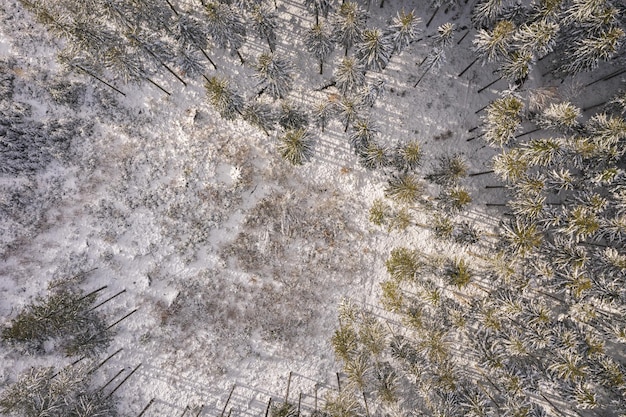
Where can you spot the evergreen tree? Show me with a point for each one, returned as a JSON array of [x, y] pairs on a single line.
[[322, 113], [319, 43], [265, 22], [363, 132], [189, 32], [188, 61], [444, 36], [493, 45], [403, 30], [371, 92], [561, 116], [296, 146], [349, 24], [408, 156], [502, 120], [319, 7], [275, 74], [485, 12], [260, 115], [517, 65], [349, 75], [374, 50], [292, 117], [587, 53], [225, 100], [348, 111], [450, 170], [404, 188], [225, 27], [538, 38], [374, 155]]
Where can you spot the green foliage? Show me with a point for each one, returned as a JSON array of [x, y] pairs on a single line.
[[502, 119], [283, 410], [344, 342], [458, 273], [44, 392], [404, 188], [225, 100], [296, 146], [450, 170], [404, 264], [379, 212], [65, 317], [409, 156]]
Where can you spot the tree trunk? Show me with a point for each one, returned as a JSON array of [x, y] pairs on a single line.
[[123, 381], [338, 382], [104, 361], [288, 385], [594, 106], [208, 58], [107, 300], [424, 74], [528, 133], [240, 57], [146, 408], [110, 380], [200, 410], [267, 409], [321, 66], [468, 67], [158, 86], [228, 400], [93, 292], [482, 108], [481, 173], [99, 79], [382, 3], [489, 85], [171, 7], [184, 411], [433, 16], [475, 137], [463, 37], [123, 318]]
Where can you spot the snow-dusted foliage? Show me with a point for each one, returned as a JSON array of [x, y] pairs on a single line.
[[275, 75]]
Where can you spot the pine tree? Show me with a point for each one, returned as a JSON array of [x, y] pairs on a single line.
[[225, 26], [374, 156], [349, 75], [260, 115], [348, 111], [403, 30], [561, 116], [485, 12], [319, 7], [538, 38], [292, 117], [587, 53], [453, 200], [275, 74], [264, 20], [404, 188], [323, 111], [374, 50], [450, 170], [349, 24], [371, 92], [319, 43], [517, 65], [191, 32], [493, 45], [225, 100], [408, 156], [511, 166], [502, 120], [188, 61], [296, 146], [363, 132], [445, 34]]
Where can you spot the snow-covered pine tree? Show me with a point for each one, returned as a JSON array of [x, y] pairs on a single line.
[[292, 117], [371, 92], [349, 24], [449, 171], [408, 156], [562, 117], [485, 12], [403, 30], [404, 188], [323, 111], [319, 43], [363, 132], [264, 20], [493, 45], [503, 117], [587, 53], [296, 146], [517, 65], [374, 50], [226, 100], [349, 75], [190, 31], [538, 38], [260, 115], [437, 57], [319, 7], [225, 27], [348, 108], [189, 61], [275, 75], [374, 155]]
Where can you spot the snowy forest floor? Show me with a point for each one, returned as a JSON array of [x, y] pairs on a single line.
[[235, 260]]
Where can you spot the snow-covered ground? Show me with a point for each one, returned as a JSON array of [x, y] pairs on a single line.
[[235, 260]]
